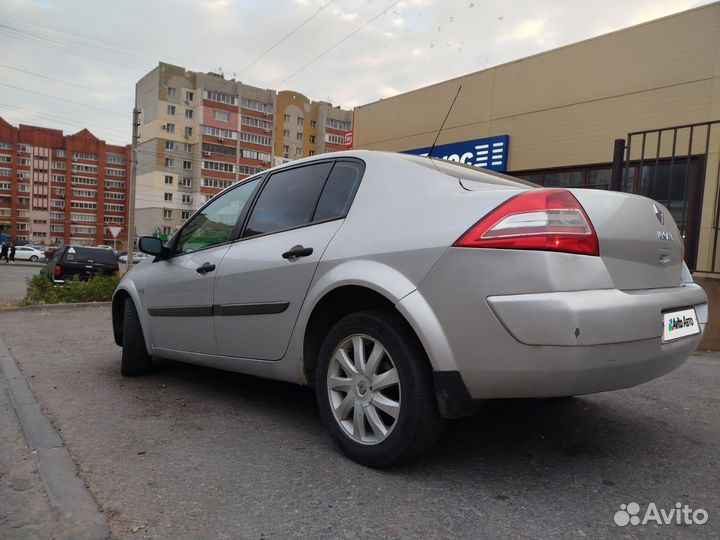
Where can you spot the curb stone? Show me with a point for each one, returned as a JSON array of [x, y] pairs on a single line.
[[63, 487]]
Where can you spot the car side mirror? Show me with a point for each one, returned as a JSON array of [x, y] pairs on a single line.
[[153, 246]]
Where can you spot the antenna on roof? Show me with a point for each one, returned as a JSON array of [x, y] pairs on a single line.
[[443, 124]]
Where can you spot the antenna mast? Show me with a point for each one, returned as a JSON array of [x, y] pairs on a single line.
[[443, 124]]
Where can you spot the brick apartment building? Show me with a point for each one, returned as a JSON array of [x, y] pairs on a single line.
[[200, 133], [57, 188]]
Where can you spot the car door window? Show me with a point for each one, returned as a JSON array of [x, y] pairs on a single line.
[[338, 191], [288, 199], [215, 223]]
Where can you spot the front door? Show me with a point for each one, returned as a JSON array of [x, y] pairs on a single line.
[[180, 288]]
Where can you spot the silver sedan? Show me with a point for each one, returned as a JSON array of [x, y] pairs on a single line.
[[406, 290]]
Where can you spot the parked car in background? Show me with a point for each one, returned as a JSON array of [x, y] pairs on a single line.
[[81, 262], [138, 256], [407, 290], [29, 253]]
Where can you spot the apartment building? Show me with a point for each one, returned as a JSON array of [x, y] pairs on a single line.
[[57, 188], [200, 133], [305, 128]]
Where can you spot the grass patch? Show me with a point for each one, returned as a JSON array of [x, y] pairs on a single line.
[[41, 290]]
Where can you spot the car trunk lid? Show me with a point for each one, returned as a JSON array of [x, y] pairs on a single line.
[[639, 242]]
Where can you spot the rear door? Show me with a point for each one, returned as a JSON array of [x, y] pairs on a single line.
[[263, 279], [180, 289]]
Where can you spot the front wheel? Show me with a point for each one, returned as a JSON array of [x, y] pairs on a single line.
[[135, 359], [33, 258], [374, 389]]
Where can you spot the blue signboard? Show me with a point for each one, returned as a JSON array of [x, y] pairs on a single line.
[[488, 153]]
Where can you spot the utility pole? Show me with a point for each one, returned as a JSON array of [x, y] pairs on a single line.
[[133, 181]]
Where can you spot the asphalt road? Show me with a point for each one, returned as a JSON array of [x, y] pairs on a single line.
[[190, 452], [13, 278]]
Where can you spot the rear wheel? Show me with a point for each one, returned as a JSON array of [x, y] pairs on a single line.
[[374, 390], [135, 359]]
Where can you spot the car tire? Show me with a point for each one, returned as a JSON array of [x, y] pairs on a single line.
[[135, 359], [359, 433], [33, 258]]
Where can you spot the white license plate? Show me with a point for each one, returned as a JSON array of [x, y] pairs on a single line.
[[680, 324]]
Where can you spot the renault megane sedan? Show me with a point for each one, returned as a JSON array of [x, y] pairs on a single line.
[[406, 290]]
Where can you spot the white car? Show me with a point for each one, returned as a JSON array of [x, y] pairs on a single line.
[[29, 253], [138, 256]]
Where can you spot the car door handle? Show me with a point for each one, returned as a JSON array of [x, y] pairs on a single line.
[[296, 252], [205, 268]]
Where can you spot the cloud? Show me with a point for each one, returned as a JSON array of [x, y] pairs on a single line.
[[525, 30]]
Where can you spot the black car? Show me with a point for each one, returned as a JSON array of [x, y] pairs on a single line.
[[83, 262]]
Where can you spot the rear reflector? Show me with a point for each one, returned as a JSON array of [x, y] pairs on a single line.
[[58, 271], [540, 219]]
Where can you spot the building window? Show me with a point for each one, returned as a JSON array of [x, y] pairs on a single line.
[[187, 165], [185, 214], [223, 116], [334, 139], [286, 133], [311, 153], [220, 97], [259, 106], [188, 113], [286, 118], [189, 96], [84, 155], [169, 145], [219, 166], [168, 180], [185, 182], [299, 136], [312, 139], [118, 159], [170, 127], [171, 110], [187, 147], [188, 132], [172, 92], [167, 214], [255, 139], [337, 124], [286, 150], [168, 196], [220, 133], [313, 124], [186, 199], [169, 162], [300, 121], [298, 151]]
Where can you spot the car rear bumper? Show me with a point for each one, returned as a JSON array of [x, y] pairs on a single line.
[[545, 344], [600, 317]]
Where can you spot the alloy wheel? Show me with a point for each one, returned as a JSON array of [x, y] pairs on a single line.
[[364, 389]]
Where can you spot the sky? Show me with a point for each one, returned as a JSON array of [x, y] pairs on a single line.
[[71, 64]]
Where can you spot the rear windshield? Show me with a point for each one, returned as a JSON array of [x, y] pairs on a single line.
[[90, 255], [462, 171]]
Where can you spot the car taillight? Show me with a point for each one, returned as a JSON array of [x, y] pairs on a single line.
[[57, 271], [541, 219]]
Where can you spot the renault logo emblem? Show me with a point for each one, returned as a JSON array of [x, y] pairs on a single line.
[[658, 214]]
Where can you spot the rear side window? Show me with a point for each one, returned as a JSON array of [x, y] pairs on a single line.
[[288, 199], [90, 255], [339, 190]]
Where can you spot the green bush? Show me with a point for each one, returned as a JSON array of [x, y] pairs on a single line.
[[41, 290]]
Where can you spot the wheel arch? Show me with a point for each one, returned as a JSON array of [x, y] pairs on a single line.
[[122, 293], [333, 306]]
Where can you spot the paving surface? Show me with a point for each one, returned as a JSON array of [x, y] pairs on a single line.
[[190, 452], [13, 278]]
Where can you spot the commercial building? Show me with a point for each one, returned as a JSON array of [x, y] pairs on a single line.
[[554, 118], [57, 188], [200, 132]]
